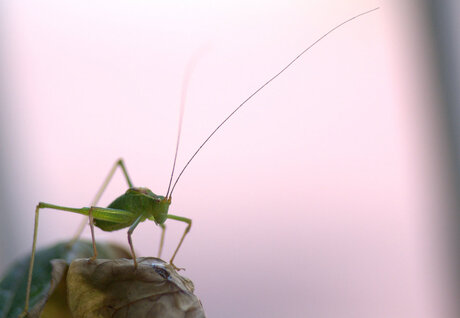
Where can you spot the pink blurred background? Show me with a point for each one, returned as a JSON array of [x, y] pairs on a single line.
[[321, 198]]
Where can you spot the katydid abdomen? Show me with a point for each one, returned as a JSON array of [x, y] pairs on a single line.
[[140, 202]]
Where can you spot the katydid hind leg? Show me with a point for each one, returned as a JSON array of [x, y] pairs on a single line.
[[119, 163], [31, 264], [187, 229], [113, 215]]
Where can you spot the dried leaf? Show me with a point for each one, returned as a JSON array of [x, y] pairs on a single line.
[[112, 288]]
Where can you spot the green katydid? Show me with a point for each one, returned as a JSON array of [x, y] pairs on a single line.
[[138, 204]]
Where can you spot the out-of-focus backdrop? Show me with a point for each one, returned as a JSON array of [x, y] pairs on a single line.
[[328, 195]]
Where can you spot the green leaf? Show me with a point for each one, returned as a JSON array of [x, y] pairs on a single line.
[[14, 283]]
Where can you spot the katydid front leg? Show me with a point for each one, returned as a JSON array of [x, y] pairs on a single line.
[[187, 229], [162, 240]]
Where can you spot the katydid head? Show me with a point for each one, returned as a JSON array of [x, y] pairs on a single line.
[[158, 205], [160, 211]]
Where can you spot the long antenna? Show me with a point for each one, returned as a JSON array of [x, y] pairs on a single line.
[[265, 84], [186, 80]]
